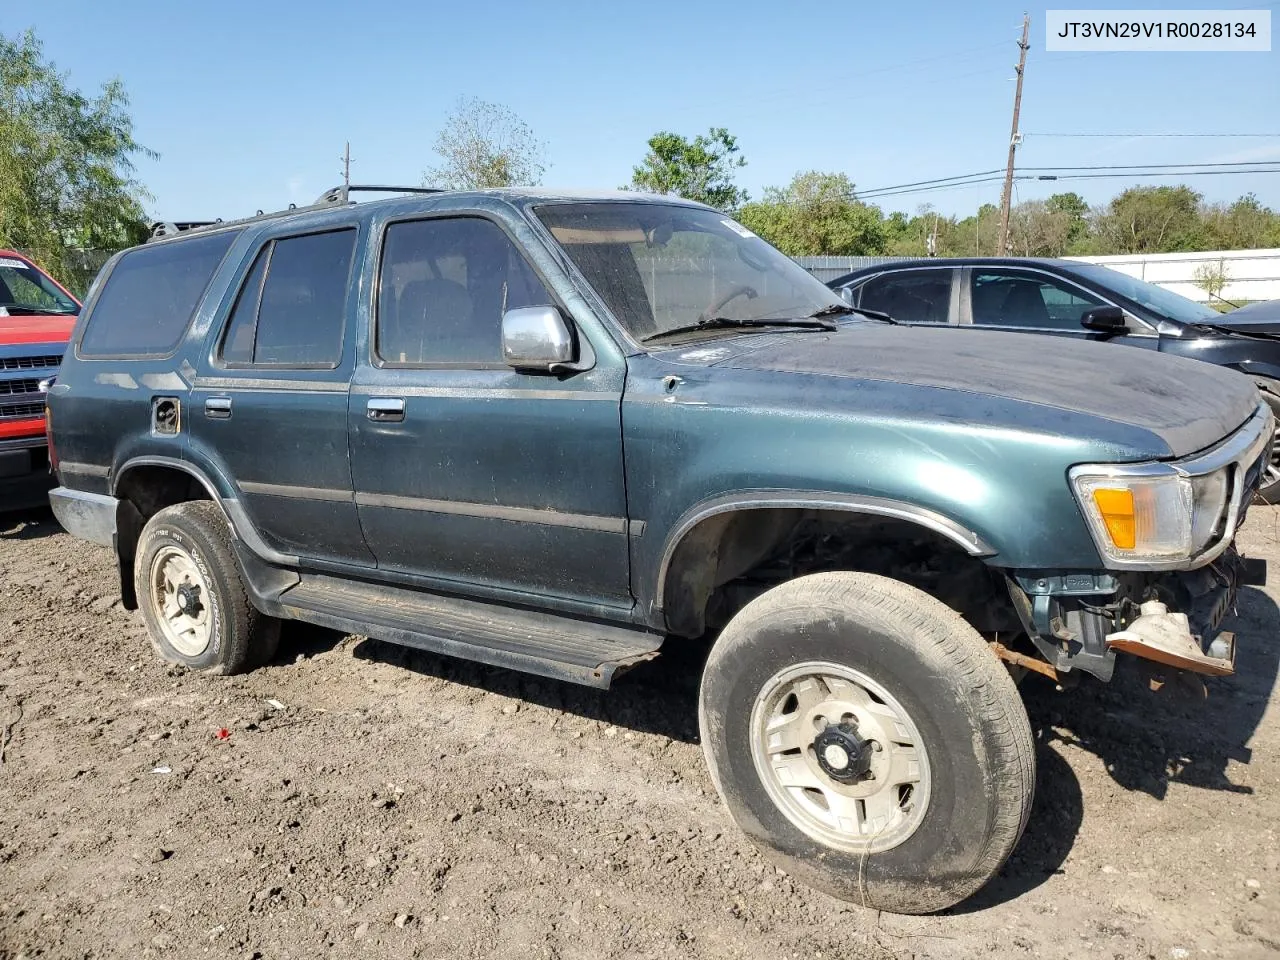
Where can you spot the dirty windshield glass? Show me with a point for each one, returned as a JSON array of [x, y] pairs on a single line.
[[24, 290], [659, 266]]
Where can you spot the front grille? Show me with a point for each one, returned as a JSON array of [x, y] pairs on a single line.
[[31, 363], [16, 411], [12, 388]]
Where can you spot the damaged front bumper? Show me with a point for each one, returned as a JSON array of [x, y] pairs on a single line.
[[1080, 621]]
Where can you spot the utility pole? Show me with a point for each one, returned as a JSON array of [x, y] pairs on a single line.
[[1007, 195], [346, 165]]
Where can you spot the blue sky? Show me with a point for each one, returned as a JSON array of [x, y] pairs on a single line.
[[248, 104]]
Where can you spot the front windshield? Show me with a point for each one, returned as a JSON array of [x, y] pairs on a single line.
[[1157, 299], [25, 291], [659, 266]]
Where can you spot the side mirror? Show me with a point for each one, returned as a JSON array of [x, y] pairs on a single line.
[[848, 295], [1105, 320], [536, 338]]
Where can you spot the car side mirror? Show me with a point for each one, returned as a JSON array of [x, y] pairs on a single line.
[[536, 338], [848, 295], [1105, 320]]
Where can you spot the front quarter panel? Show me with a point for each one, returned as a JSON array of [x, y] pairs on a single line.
[[715, 435]]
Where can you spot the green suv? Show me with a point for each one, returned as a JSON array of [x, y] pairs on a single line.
[[562, 433]]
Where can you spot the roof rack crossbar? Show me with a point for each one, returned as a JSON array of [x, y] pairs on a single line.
[[341, 194], [338, 196]]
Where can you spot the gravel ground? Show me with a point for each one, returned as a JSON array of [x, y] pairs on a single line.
[[356, 799]]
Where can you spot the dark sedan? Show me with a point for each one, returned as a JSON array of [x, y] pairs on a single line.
[[1065, 298]]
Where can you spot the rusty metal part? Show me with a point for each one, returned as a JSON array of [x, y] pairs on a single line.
[[1022, 660]]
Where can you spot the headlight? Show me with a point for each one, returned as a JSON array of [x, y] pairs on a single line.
[[1153, 513]]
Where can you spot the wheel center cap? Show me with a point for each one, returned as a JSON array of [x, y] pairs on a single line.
[[188, 598], [835, 756], [843, 755]]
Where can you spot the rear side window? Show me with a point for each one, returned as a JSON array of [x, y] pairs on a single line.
[[292, 306], [150, 296], [910, 296]]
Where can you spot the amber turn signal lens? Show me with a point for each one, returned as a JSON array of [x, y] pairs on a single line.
[[1116, 507]]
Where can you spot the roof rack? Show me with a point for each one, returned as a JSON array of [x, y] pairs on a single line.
[[337, 196], [162, 229], [341, 194]]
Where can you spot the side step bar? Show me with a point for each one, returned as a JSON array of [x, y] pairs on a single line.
[[542, 643]]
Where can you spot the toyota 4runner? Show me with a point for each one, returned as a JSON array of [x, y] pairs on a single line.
[[558, 433]]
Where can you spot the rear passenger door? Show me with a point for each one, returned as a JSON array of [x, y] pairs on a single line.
[[270, 402], [927, 295]]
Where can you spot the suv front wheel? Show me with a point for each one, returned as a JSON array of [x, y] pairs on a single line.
[[192, 596], [862, 733]]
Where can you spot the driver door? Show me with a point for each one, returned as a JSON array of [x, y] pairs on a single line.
[[466, 471]]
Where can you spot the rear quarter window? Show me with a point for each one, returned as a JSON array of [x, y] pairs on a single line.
[[150, 296]]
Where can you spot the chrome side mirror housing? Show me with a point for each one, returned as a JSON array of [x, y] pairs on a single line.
[[537, 338]]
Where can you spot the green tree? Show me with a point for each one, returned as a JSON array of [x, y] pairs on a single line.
[[1038, 228], [700, 169], [1150, 220], [1076, 211], [66, 162], [486, 145], [816, 214], [1245, 224]]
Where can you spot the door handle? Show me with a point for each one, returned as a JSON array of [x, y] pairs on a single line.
[[218, 408], [385, 409]]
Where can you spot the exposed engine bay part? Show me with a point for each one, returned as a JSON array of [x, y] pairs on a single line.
[[1166, 638]]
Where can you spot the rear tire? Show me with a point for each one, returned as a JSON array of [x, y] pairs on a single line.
[[888, 678], [192, 596]]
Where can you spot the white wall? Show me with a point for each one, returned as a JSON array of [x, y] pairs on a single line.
[[1251, 274]]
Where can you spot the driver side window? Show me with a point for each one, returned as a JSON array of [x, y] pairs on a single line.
[[1030, 301], [443, 287]]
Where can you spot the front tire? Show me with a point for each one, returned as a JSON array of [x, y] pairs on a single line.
[[1269, 488], [191, 594], [864, 736]]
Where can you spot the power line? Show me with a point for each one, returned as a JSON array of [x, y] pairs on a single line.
[[1154, 166], [1155, 169], [1066, 175], [1160, 136]]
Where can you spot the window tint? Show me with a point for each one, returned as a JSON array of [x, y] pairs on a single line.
[[910, 296], [150, 295], [443, 288], [1024, 300], [294, 316], [237, 343]]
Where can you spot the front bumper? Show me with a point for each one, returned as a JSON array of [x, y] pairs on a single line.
[[24, 474], [1081, 621]]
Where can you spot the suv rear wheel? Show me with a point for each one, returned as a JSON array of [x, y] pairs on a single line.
[[192, 596], [862, 733]]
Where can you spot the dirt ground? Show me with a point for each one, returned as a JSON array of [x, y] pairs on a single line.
[[390, 803]]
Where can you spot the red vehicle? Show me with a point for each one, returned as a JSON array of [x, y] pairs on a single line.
[[36, 317]]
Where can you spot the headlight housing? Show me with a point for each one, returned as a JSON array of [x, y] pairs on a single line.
[[1153, 515]]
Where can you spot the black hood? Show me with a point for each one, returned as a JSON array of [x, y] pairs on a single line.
[[1256, 318]]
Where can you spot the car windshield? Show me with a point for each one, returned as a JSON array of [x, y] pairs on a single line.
[[659, 267], [25, 291], [1157, 299]]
